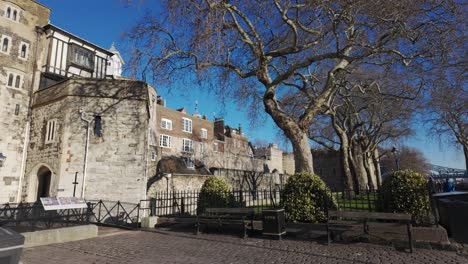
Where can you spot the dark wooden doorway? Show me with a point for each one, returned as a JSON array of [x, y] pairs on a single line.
[[43, 179]]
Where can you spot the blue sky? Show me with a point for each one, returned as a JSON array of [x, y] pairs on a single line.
[[104, 21]]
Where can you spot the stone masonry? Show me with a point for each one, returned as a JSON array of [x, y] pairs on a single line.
[[15, 99], [118, 159]]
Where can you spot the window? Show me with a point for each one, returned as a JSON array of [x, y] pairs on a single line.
[[23, 50], [15, 81], [166, 124], [98, 126], [81, 57], [165, 141], [189, 162], [11, 13], [202, 148], [204, 133], [5, 44], [153, 156], [50, 133], [215, 147], [186, 125], [10, 80], [187, 145], [17, 108]]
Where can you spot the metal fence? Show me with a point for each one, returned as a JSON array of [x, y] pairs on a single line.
[[33, 216], [185, 203]]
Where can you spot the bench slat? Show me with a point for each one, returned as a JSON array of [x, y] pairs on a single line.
[[230, 210], [370, 215]]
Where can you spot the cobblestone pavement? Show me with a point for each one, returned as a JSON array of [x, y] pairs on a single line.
[[185, 247]]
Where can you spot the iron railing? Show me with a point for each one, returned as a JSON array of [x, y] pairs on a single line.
[[34, 216]]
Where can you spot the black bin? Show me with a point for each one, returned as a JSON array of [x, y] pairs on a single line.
[[11, 246], [274, 223]]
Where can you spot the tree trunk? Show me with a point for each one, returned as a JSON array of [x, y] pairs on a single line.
[[465, 151], [299, 139], [370, 170], [344, 149], [378, 172], [358, 164]]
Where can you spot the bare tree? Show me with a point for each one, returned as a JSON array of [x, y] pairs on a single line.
[[447, 105], [261, 51], [408, 159], [368, 110]]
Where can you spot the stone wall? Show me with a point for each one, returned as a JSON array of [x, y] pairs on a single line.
[[14, 102], [328, 166], [177, 182], [117, 160]]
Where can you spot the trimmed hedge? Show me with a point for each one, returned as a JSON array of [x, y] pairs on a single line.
[[306, 198], [405, 192], [214, 193]]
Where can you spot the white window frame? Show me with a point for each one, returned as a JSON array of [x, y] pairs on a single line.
[[166, 123], [203, 133], [51, 131], [153, 156], [189, 162], [13, 84], [10, 43], [187, 145], [12, 10], [165, 139], [202, 148], [215, 147], [26, 53], [186, 125]]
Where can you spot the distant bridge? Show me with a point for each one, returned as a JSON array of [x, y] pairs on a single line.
[[439, 172]]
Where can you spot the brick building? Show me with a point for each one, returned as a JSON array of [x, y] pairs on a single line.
[[65, 111]]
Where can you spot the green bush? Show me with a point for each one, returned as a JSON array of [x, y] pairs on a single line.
[[214, 194], [405, 192], [306, 197]]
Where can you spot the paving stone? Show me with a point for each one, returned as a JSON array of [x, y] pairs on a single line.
[[167, 246]]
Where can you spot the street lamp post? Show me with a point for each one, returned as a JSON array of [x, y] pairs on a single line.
[[397, 158], [167, 176]]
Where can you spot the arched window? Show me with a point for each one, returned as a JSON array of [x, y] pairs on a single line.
[[10, 80], [14, 15], [17, 81], [23, 51], [8, 12], [5, 45]]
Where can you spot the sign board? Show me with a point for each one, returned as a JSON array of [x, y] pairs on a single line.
[[60, 203]]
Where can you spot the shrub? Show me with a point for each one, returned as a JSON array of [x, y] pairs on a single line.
[[214, 193], [306, 197], [405, 192]]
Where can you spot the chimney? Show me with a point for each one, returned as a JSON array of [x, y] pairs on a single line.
[[219, 126], [240, 130]]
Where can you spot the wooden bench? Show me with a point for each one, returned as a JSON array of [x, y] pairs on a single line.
[[366, 217], [226, 216]]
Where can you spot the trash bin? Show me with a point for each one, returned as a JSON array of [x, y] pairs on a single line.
[[11, 246], [274, 223], [457, 218]]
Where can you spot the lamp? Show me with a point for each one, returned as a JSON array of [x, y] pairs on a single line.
[[397, 159], [2, 159]]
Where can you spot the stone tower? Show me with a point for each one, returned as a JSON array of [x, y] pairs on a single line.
[[21, 53]]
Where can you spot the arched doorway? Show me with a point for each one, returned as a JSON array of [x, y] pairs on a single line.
[[43, 182]]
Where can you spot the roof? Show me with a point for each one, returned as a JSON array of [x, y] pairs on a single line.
[[176, 165], [63, 31]]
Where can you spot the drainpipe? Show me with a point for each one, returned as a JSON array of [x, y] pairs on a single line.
[[82, 113]]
